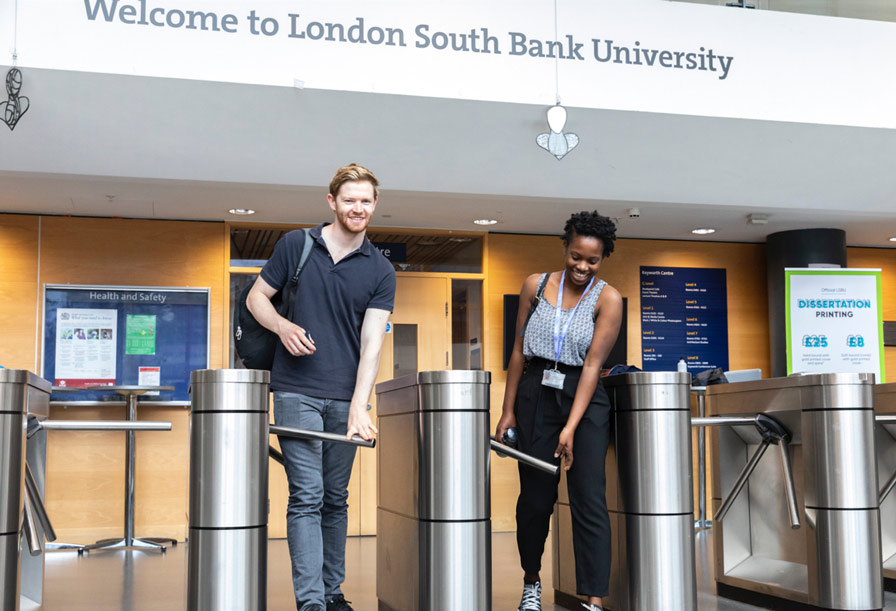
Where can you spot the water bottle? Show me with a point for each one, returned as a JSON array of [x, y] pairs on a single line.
[[682, 365], [511, 437]]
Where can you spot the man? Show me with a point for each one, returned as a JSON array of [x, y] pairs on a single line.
[[323, 374]]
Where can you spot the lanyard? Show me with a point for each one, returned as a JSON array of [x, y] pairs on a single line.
[[560, 334]]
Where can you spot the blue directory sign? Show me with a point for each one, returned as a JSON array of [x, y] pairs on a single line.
[[684, 313]]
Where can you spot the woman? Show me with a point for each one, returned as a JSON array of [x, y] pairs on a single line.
[[554, 398]]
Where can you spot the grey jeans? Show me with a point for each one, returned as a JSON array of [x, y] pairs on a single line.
[[317, 512]]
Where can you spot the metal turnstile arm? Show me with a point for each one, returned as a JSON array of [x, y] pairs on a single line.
[[789, 489], [741, 480], [888, 421], [524, 458], [724, 421], [104, 425], [887, 489], [772, 431], [29, 524], [37, 504], [286, 431], [277, 455]]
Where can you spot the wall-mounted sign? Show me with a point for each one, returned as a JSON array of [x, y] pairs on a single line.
[[102, 335], [834, 321], [396, 252], [684, 314]]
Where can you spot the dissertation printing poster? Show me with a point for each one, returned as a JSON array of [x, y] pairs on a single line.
[[684, 314], [834, 321]]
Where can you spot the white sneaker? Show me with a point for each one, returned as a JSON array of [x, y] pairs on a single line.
[[531, 597], [590, 607]]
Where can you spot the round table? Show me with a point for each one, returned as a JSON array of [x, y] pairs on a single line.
[[131, 392]]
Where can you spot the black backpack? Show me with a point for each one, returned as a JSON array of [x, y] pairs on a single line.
[[254, 343]]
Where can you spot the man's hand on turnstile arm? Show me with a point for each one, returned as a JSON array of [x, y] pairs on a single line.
[[564, 447], [360, 423]]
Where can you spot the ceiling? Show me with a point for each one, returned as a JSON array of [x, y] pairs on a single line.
[[124, 146], [875, 10]]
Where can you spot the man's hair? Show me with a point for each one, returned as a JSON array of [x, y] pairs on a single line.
[[591, 224], [353, 173]]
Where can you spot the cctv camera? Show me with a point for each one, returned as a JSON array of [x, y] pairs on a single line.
[[634, 213]]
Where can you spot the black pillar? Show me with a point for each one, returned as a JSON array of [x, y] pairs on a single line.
[[798, 248]]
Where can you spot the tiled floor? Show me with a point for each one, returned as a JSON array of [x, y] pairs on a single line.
[[131, 581]]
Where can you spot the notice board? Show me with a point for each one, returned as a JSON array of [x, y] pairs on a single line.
[[684, 313], [834, 321], [122, 335]]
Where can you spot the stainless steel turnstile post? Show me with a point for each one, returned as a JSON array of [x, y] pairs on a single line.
[[650, 497], [833, 560], [22, 395], [227, 551], [12, 481], [433, 506], [433, 541], [699, 394], [229, 448], [885, 447]]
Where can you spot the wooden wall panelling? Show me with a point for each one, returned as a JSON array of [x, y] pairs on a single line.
[[278, 489], [747, 301], [85, 477], [19, 237], [885, 259], [513, 257], [85, 480], [367, 458]]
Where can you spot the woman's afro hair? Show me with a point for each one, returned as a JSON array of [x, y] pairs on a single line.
[[591, 224]]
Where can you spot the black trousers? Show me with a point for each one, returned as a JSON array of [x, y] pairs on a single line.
[[541, 413]]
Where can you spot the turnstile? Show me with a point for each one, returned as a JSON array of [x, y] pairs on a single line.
[[885, 444], [228, 518], [822, 547], [24, 412], [229, 448], [650, 498], [433, 491], [21, 565]]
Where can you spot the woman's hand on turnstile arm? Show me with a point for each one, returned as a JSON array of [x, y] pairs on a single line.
[[508, 420], [564, 447]]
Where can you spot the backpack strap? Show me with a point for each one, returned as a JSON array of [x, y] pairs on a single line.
[[542, 283], [294, 281]]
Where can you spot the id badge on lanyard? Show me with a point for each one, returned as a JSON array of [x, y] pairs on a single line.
[[554, 378]]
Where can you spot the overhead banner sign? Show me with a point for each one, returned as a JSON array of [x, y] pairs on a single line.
[[684, 314], [636, 55], [834, 321]]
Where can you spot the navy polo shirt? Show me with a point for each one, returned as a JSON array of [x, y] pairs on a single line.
[[330, 303]]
